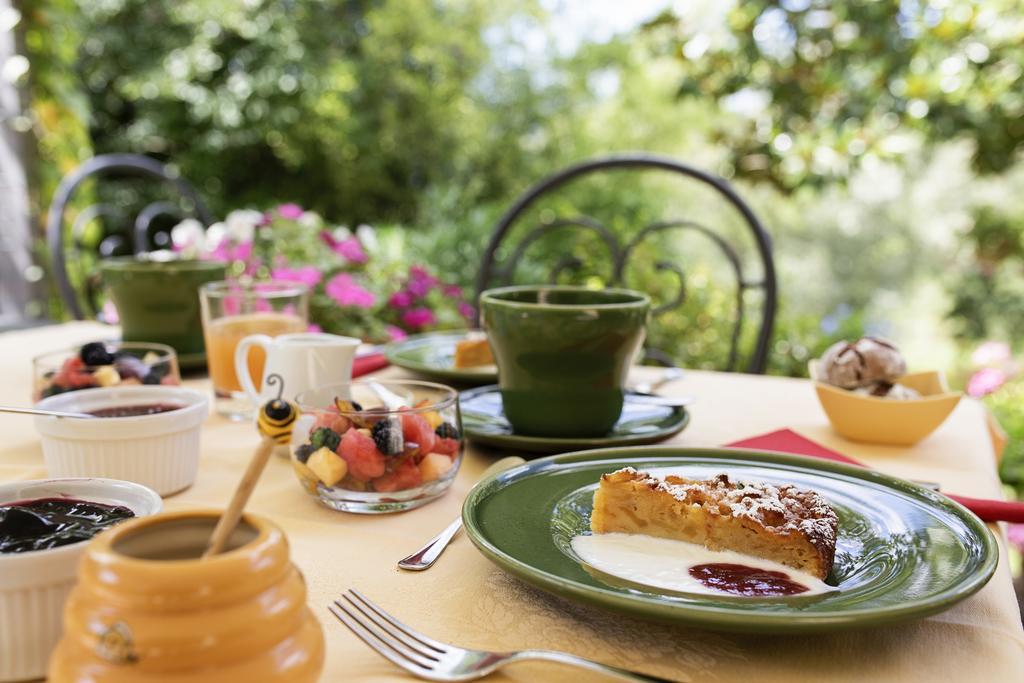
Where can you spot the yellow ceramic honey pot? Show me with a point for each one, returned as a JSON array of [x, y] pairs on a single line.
[[146, 609]]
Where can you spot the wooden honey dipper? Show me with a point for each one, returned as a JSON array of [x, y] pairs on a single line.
[[274, 422]]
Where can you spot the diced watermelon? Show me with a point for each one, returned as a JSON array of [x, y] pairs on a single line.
[[73, 375], [416, 429], [365, 462], [447, 447], [331, 420], [405, 476]]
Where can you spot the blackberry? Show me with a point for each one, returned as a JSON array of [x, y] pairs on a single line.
[[303, 452], [387, 434], [446, 430], [95, 353], [155, 374], [325, 437]]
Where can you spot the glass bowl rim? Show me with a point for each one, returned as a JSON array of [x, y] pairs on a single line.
[[451, 396], [166, 352]]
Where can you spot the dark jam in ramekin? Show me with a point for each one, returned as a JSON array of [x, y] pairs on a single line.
[[51, 522], [135, 410]]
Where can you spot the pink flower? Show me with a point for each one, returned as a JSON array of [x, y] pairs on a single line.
[[466, 310], [985, 381], [307, 275], [313, 327], [421, 273], [344, 290], [418, 288], [351, 250], [226, 251], [395, 333], [453, 291], [991, 353], [400, 300], [292, 212], [418, 317]]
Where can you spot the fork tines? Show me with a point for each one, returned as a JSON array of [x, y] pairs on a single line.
[[399, 643]]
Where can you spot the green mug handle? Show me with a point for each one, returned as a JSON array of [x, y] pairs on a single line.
[[242, 363]]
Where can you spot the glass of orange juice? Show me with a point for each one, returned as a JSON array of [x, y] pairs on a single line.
[[234, 310]]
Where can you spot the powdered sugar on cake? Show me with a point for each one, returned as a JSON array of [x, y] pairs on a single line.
[[783, 509]]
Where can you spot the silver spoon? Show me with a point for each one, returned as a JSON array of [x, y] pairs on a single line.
[[428, 554], [655, 399], [49, 413], [667, 375]]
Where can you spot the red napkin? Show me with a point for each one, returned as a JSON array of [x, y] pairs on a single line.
[[788, 441], [371, 362]]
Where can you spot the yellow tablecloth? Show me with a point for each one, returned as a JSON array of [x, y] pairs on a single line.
[[468, 601]]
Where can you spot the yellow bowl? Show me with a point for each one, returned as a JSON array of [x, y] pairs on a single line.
[[888, 421]]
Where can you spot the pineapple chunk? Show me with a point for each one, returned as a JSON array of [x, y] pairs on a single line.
[[434, 466], [106, 376], [328, 466], [306, 475]]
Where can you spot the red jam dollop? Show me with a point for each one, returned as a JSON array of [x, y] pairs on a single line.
[[135, 410], [739, 579], [52, 522]]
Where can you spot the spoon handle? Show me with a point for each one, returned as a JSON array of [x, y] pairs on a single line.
[[428, 554], [425, 557], [49, 413], [233, 513]]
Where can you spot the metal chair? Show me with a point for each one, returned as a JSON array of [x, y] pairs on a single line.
[[122, 231], [622, 246]]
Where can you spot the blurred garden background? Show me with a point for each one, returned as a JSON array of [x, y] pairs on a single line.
[[879, 142]]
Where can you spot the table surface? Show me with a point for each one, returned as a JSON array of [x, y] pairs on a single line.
[[466, 600]]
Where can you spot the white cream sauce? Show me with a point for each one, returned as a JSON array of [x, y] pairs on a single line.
[[665, 563]]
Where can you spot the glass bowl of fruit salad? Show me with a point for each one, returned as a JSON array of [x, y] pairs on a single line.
[[373, 447], [103, 364]]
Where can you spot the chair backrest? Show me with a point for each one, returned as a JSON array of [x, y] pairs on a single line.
[[623, 243], [130, 224]]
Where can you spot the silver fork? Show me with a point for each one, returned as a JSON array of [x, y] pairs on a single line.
[[436, 661]]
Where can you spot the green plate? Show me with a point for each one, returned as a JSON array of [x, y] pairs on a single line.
[[903, 551], [483, 421], [433, 355]]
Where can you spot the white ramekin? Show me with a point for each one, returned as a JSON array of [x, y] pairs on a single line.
[[160, 451], [34, 585]]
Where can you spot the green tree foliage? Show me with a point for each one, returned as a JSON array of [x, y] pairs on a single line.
[[354, 107], [826, 83]]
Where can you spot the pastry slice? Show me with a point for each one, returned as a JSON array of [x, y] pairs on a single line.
[[472, 353], [782, 523]]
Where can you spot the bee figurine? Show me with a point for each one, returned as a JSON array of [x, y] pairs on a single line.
[[277, 416]]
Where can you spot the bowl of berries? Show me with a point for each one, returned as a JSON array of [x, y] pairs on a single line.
[[374, 447], [103, 364]]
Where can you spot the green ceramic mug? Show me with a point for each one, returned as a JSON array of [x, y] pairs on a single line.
[[158, 300], [563, 354]]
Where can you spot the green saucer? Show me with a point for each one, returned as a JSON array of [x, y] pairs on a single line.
[[483, 421], [903, 552], [433, 355]]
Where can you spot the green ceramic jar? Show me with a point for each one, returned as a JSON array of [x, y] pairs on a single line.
[[563, 354], [158, 300]]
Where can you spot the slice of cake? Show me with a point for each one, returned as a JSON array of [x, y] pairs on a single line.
[[782, 523], [473, 352]]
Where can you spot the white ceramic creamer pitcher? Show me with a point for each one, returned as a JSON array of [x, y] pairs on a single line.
[[304, 361]]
